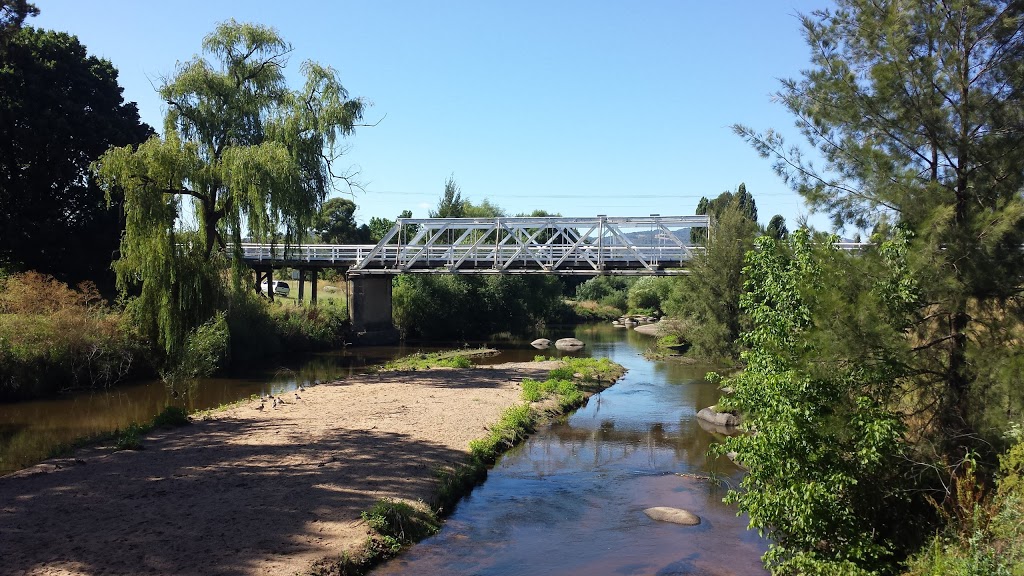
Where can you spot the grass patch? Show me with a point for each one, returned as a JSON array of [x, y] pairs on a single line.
[[513, 427], [445, 359], [171, 417], [593, 311]]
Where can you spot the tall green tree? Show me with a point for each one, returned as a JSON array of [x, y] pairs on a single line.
[[242, 151], [60, 109], [740, 199], [777, 227], [916, 109], [336, 223], [451, 204], [830, 472], [706, 302]]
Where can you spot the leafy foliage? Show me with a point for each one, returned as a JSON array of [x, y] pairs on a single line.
[[54, 218], [476, 306], [777, 228], [829, 471], [55, 338], [12, 15], [609, 291], [915, 108], [706, 302], [247, 151], [336, 223], [451, 204]]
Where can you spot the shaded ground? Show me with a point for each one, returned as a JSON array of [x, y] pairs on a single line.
[[252, 491]]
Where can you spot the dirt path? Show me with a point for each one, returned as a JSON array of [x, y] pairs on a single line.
[[251, 491]]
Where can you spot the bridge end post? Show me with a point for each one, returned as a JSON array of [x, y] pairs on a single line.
[[369, 308]]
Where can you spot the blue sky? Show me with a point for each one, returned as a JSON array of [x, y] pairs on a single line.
[[580, 108]]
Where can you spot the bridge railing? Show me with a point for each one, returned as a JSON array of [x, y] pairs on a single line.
[[313, 253]]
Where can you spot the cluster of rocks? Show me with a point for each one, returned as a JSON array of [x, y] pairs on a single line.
[[561, 344], [631, 321]]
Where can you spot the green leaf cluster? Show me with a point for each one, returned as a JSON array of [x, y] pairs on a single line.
[[829, 479]]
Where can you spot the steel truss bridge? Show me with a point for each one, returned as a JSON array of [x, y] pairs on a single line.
[[650, 245]]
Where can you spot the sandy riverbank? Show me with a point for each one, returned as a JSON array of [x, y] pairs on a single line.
[[250, 491]]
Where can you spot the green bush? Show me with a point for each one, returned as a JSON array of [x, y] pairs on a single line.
[[531, 390], [561, 373], [475, 306], [647, 294], [593, 311], [171, 417], [55, 338], [129, 437]]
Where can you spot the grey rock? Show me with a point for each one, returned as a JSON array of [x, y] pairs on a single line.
[[569, 344], [718, 418]]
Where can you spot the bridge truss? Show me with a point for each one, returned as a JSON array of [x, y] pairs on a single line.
[[649, 245], [653, 245]]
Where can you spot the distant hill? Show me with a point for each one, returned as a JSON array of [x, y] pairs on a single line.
[[651, 238]]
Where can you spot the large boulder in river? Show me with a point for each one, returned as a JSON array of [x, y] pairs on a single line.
[[569, 344], [717, 418], [541, 343], [674, 515]]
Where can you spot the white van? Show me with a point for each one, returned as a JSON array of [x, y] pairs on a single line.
[[281, 287]]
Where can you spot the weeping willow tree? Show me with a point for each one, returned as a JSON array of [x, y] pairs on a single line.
[[241, 153]]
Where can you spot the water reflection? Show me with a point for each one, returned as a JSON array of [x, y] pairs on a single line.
[[571, 499]]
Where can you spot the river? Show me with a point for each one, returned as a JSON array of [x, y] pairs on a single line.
[[569, 500]]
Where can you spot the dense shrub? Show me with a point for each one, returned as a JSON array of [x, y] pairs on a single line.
[[474, 306], [261, 329], [55, 338], [648, 293]]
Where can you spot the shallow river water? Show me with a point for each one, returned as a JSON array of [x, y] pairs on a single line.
[[570, 500]]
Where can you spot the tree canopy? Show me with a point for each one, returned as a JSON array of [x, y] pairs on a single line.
[[881, 385], [451, 204], [60, 109], [12, 15], [336, 223], [777, 227], [250, 154], [916, 109]]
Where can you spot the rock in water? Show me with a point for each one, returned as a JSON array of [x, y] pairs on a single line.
[[569, 344], [674, 515], [712, 416], [541, 343]]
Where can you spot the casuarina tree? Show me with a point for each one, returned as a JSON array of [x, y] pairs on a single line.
[[917, 110]]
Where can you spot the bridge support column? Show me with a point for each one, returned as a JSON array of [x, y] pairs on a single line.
[[369, 308], [268, 275]]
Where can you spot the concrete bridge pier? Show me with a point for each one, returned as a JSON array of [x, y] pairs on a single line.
[[369, 308]]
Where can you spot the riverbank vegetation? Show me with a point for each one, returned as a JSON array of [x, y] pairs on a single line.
[[884, 386], [54, 338], [445, 359]]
